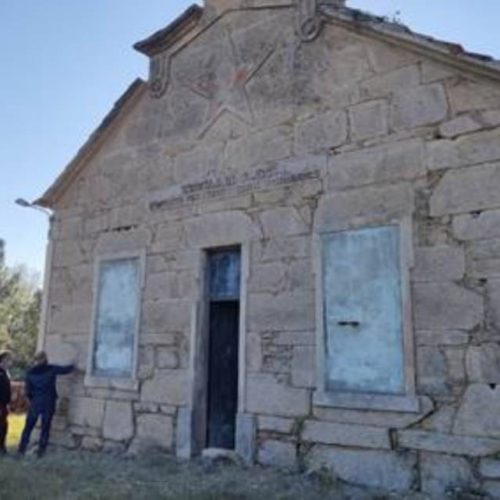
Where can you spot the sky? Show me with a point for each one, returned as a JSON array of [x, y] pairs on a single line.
[[65, 62]]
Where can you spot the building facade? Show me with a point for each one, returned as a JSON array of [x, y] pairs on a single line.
[[286, 243]]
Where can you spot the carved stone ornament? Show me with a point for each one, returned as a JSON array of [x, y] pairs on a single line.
[[159, 75], [309, 22]]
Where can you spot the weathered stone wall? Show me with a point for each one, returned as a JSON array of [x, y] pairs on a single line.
[[327, 134]]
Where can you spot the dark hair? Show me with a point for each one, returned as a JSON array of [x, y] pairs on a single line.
[[4, 355]]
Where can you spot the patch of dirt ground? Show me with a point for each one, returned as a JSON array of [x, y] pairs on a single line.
[[69, 475]]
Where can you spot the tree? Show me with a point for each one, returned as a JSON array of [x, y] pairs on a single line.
[[20, 305]]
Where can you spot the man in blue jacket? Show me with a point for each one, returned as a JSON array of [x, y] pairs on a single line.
[[42, 395]]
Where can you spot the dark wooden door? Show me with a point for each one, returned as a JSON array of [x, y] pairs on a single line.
[[223, 345], [223, 374]]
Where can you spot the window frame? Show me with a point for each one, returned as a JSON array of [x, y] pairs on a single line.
[[129, 383], [323, 396]]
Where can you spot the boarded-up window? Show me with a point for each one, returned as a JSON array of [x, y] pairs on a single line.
[[363, 312], [116, 318]]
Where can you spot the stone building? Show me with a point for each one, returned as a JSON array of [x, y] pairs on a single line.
[[287, 243]]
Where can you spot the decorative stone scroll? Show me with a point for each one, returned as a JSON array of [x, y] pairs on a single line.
[[309, 22], [159, 75]]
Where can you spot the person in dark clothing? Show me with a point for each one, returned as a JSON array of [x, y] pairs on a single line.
[[5, 395], [42, 394]]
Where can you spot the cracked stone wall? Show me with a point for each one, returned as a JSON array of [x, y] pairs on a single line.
[[341, 130]]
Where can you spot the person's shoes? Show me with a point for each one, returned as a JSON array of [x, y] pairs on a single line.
[[3, 452], [40, 452]]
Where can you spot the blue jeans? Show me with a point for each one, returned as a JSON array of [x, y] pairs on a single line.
[[45, 412]]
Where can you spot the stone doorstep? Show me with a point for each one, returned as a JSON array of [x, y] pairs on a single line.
[[218, 455]]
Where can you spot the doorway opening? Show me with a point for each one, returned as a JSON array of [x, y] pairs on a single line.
[[223, 308]]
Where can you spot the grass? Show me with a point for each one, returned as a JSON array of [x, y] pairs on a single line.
[[65, 475], [16, 425], [73, 475]]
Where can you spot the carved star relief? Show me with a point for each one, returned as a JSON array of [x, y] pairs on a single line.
[[225, 87]]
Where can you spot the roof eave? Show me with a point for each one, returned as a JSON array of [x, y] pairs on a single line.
[[166, 37], [448, 53]]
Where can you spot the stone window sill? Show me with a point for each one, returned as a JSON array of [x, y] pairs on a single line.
[[377, 402], [112, 383]]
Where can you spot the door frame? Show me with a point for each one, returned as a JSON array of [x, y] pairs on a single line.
[[407, 402], [192, 420]]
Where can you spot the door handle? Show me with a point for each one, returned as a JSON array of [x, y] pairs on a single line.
[[354, 324]]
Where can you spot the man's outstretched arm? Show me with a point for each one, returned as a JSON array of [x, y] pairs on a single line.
[[63, 369]]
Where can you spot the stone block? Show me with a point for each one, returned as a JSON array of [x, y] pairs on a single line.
[[304, 366], [419, 106], [246, 436], [446, 306], [478, 412], [92, 443], [485, 259], [71, 318], [87, 412], [267, 278], [183, 436], [439, 263], [299, 275], [480, 147], [268, 396], [441, 420], [360, 436], [442, 475], [441, 337], [399, 79], [369, 119], [477, 226], [283, 221], [384, 57], [432, 371], [370, 204], [220, 229], [460, 125], [265, 146], [194, 165], [472, 95], [170, 285], [380, 164], [433, 71], [492, 488], [166, 386], [489, 468], [278, 454], [321, 133], [447, 443], [483, 363], [154, 431], [275, 424], [118, 421], [383, 419], [168, 237], [493, 291], [286, 311], [124, 241], [167, 358], [281, 248], [386, 470], [170, 315]]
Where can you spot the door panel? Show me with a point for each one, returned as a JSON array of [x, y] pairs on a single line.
[[362, 294], [223, 374]]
